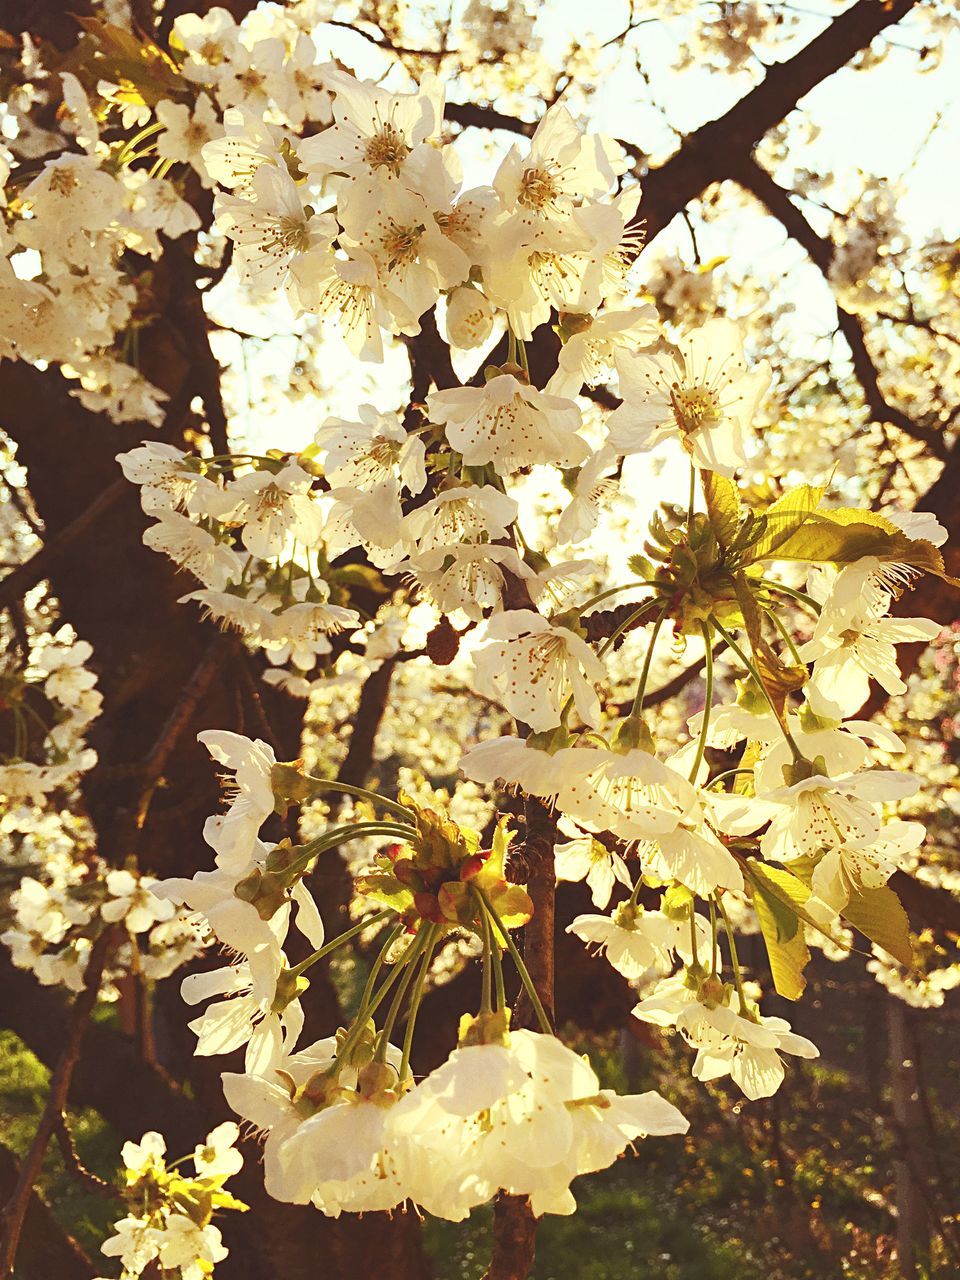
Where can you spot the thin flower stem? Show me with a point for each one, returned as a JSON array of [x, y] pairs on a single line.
[[734, 961], [626, 625], [372, 1003], [800, 596], [692, 503], [415, 997], [319, 785], [339, 835], [751, 667], [728, 773], [612, 591], [693, 936], [713, 934], [517, 959], [339, 941], [485, 989], [707, 702], [635, 892], [647, 663], [498, 985], [412, 955], [785, 635], [376, 967]]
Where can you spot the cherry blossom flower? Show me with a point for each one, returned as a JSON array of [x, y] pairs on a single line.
[[701, 392], [186, 132], [366, 453], [589, 352], [583, 858], [633, 940], [530, 667], [274, 508], [374, 131], [469, 319], [510, 424], [746, 1049]]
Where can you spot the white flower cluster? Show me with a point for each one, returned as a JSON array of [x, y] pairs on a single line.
[[347, 1128], [46, 708], [344, 196], [521, 1113], [55, 921], [169, 1225], [65, 295]]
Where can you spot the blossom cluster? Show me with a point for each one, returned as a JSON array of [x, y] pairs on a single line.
[[46, 705], [347, 1127], [366, 219], [55, 921], [170, 1220], [775, 805]]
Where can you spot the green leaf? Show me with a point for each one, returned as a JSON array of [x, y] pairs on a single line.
[[785, 886], [788, 514], [779, 898], [879, 915], [844, 535], [723, 506], [385, 889], [748, 608], [676, 902], [787, 951]]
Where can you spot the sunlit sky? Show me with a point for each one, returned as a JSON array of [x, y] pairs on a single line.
[[879, 122]]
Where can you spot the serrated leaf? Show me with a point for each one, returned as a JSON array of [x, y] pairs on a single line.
[[723, 506], [779, 899], [779, 680], [784, 517], [787, 951], [387, 890], [844, 536], [512, 904], [879, 916], [782, 884], [748, 608]]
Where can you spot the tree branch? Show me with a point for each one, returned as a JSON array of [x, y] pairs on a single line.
[[32, 571], [755, 179], [15, 1211], [46, 1251]]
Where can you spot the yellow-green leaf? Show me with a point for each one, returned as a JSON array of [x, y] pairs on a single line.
[[844, 536], [779, 898], [788, 955], [723, 506], [789, 513], [879, 915], [791, 890]]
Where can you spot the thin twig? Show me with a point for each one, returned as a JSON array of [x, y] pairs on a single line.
[[16, 1208]]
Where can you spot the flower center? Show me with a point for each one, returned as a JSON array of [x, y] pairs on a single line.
[[387, 149], [695, 408], [400, 244], [539, 188]]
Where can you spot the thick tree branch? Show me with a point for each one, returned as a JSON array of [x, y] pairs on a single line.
[[710, 153], [15, 585]]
